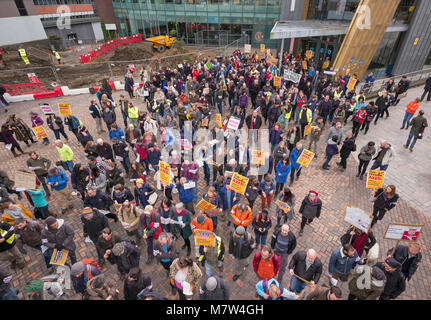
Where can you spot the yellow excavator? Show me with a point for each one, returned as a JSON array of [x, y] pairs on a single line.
[[160, 43]]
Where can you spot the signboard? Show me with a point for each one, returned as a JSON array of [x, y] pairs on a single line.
[[46, 108], [332, 73], [233, 123], [25, 180], [305, 158], [307, 129], [309, 54], [64, 109], [262, 47], [351, 84], [39, 132], [277, 81], [325, 65], [375, 179], [247, 48], [59, 257], [205, 122], [416, 41], [282, 205], [32, 77], [204, 205], [291, 76], [238, 183], [218, 120], [358, 218], [204, 238], [165, 172], [257, 157], [110, 26], [405, 232], [304, 65]]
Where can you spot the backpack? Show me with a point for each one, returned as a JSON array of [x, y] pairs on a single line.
[[159, 229], [88, 263]]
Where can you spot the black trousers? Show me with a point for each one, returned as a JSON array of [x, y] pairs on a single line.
[[363, 166], [279, 187], [366, 126], [304, 222], [429, 95], [355, 130], [378, 214], [343, 161]]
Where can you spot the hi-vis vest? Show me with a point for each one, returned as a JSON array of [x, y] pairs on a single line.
[[218, 240], [11, 238], [57, 55], [309, 115], [133, 113], [23, 55]]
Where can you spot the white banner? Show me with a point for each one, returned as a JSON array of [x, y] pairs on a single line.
[[291, 76]]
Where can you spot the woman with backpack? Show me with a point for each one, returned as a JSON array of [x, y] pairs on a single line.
[[261, 225], [73, 124], [56, 125]]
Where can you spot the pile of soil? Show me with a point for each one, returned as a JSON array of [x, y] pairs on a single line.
[[134, 51]]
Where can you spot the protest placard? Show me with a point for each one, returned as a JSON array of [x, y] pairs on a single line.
[[205, 122], [262, 47], [185, 144], [277, 81], [218, 120], [304, 65], [64, 109], [247, 48], [238, 183], [309, 54], [233, 123], [375, 179], [291, 76], [404, 232], [46, 108], [204, 238], [352, 83], [257, 157], [25, 180], [305, 158], [358, 218], [59, 257], [307, 130], [165, 170], [39, 132], [282, 205], [204, 205]]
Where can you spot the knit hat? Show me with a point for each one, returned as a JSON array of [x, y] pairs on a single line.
[[200, 219], [50, 221], [240, 230], [148, 209], [118, 249], [393, 263], [140, 180], [77, 268], [211, 284], [312, 191], [378, 274]]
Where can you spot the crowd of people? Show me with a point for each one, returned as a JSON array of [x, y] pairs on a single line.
[[115, 185]]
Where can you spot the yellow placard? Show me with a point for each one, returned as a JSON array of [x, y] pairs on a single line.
[[165, 172], [262, 47], [238, 183], [205, 122], [204, 205], [257, 157], [218, 119], [174, 171], [282, 205], [305, 158], [204, 238], [375, 179], [59, 257], [277, 81], [304, 65], [309, 54], [64, 109], [39, 132], [351, 84], [325, 65], [307, 130]]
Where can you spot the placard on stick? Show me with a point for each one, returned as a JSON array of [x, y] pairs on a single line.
[[165, 172], [204, 238], [64, 109], [282, 205], [305, 158], [204, 205], [403, 232], [233, 123], [39, 132], [257, 157], [25, 180], [358, 218], [59, 257], [375, 179], [238, 183]]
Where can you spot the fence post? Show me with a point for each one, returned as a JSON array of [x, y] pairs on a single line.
[[55, 75], [110, 71]]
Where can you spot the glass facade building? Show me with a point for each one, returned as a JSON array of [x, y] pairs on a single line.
[[201, 22]]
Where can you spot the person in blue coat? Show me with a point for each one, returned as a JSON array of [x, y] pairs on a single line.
[[275, 136], [342, 261], [128, 85], [229, 198], [116, 132], [281, 172], [58, 180], [272, 290], [295, 167], [331, 150], [186, 195]]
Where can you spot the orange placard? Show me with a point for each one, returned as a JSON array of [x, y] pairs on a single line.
[[304, 65], [277, 81], [39, 132], [309, 54], [375, 179], [262, 47], [351, 84], [218, 119], [165, 172]]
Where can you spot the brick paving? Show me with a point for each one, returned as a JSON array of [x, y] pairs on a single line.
[[335, 189]]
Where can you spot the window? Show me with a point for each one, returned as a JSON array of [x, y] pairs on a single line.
[[21, 8]]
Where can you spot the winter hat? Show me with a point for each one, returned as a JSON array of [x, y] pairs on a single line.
[[118, 249], [211, 284], [148, 209], [393, 263], [200, 219], [50, 220], [240, 230], [312, 191], [77, 269], [140, 180], [378, 274]]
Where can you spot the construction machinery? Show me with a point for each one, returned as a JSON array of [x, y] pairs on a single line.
[[160, 43]]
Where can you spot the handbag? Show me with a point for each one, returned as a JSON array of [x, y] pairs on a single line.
[[152, 199], [420, 134]]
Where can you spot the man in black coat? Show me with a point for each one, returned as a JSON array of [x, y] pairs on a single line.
[[214, 288], [254, 121], [427, 89], [241, 246], [348, 146], [135, 283], [395, 282], [409, 257], [126, 256], [93, 222], [305, 265], [99, 200], [104, 150], [283, 242]]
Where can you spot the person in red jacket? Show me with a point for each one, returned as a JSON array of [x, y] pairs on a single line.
[[358, 119], [266, 263]]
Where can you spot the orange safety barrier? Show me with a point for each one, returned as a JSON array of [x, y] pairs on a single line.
[[25, 88], [87, 57]]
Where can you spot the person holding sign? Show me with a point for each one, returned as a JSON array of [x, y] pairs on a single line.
[[384, 200], [59, 235], [288, 198], [395, 282], [305, 265], [181, 219], [282, 171], [341, 262], [295, 167], [202, 222], [365, 156], [213, 198], [360, 240], [408, 256], [310, 209], [211, 256]]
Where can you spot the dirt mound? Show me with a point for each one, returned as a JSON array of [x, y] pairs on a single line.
[[134, 51]]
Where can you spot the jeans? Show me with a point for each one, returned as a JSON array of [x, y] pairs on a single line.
[[46, 255], [406, 120], [411, 136], [124, 119], [10, 295], [3, 105], [3, 100], [57, 133], [326, 163], [209, 268], [220, 107], [207, 172], [315, 145], [261, 238], [363, 166], [68, 165], [126, 164], [42, 179], [296, 285], [292, 173], [378, 164], [297, 111]]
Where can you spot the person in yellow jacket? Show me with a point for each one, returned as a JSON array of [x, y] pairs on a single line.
[[11, 212], [66, 155], [8, 249], [57, 56], [133, 113], [305, 117], [23, 55]]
